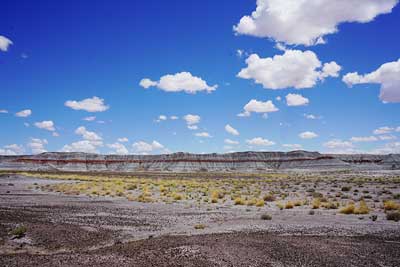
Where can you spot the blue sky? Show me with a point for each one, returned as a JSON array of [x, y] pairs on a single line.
[[293, 58]]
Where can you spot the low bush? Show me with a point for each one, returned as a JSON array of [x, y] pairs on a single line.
[[393, 216], [19, 231], [266, 217]]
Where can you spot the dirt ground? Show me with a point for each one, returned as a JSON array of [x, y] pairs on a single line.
[[79, 230]]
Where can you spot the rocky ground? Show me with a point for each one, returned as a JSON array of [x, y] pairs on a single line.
[[78, 230]]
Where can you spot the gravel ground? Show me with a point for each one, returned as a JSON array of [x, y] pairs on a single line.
[[83, 231]]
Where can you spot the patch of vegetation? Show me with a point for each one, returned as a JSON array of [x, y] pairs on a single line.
[[393, 216], [266, 217], [199, 226], [19, 231], [346, 188]]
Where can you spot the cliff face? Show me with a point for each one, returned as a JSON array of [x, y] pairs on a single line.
[[184, 162]]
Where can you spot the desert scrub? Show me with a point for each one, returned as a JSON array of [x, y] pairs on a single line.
[[393, 216], [280, 205], [19, 231], [269, 198], [346, 188], [266, 217], [289, 205], [260, 203], [349, 209], [238, 201], [362, 208], [199, 226], [390, 205], [316, 203]]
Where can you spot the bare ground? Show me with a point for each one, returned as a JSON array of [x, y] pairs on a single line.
[[82, 231]]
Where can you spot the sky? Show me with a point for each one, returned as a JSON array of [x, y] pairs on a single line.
[[151, 77]]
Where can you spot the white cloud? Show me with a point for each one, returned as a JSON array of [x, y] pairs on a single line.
[[294, 100], [45, 125], [147, 83], [143, 147], [278, 98], [94, 104], [192, 127], [123, 140], [173, 118], [391, 148], [398, 129], [85, 146], [161, 118], [364, 139], [182, 81], [191, 121], [231, 142], [24, 113], [203, 134], [90, 118], [387, 75], [3, 111], [383, 130], [55, 134], [294, 68], [259, 141], [37, 145], [306, 22], [311, 116], [4, 43], [258, 107], [12, 150], [88, 135], [338, 144], [231, 130], [119, 148], [308, 135], [387, 137], [293, 146]]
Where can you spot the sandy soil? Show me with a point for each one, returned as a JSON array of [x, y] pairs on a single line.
[[84, 231]]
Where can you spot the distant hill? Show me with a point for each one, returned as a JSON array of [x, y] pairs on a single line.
[[185, 162]]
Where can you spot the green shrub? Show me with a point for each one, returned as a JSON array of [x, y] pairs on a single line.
[[266, 217], [19, 231]]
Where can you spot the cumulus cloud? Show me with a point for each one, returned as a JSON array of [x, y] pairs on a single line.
[[161, 118], [119, 148], [182, 81], [231, 130], [383, 130], [147, 83], [37, 145], [203, 134], [12, 150], [300, 22], [293, 146], [308, 135], [145, 148], [173, 117], [387, 75], [231, 142], [338, 144], [3, 111], [293, 100], [45, 125], [85, 146], [87, 135], [295, 68], [4, 43], [90, 143], [123, 140], [94, 104], [363, 139], [24, 113], [192, 121], [258, 107], [391, 148], [259, 141]]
